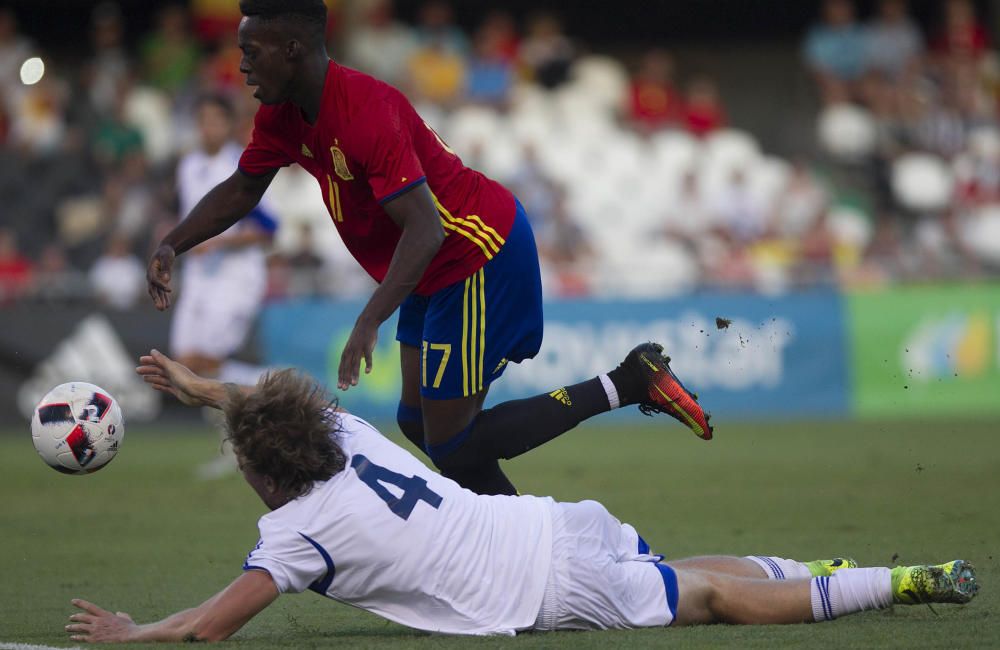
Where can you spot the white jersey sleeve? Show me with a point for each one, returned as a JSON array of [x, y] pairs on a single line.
[[389, 535], [291, 559]]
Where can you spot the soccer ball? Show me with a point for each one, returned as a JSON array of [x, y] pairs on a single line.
[[77, 428]]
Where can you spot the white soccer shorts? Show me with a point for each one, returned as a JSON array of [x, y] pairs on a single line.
[[214, 319], [603, 575]]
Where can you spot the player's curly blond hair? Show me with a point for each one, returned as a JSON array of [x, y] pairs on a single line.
[[284, 430]]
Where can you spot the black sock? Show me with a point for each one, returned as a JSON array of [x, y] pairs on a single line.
[[483, 478], [508, 430], [514, 427], [411, 422], [628, 385]]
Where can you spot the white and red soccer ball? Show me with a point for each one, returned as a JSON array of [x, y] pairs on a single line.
[[77, 428]]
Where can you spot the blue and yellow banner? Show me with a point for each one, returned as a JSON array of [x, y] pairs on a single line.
[[774, 357]]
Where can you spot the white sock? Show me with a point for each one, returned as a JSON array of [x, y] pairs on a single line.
[[242, 374], [609, 388], [778, 568], [850, 590]]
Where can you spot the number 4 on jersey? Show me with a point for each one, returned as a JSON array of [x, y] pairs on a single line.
[[414, 488]]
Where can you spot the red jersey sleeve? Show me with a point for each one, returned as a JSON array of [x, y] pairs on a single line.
[[383, 144], [264, 154]]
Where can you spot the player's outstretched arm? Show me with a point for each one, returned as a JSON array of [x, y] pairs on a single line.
[[224, 205], [422, 236], [216, 619], [168, 376]]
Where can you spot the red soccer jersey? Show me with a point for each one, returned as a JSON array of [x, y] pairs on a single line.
[[367, 147]]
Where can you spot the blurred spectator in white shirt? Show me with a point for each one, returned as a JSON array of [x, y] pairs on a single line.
[[687, 217], [118, 277], [801, 204], [738, 211], [380, 45]]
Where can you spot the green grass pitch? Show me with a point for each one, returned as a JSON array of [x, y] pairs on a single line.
[[144, 537]]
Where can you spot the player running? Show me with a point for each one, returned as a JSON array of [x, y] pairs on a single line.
[[343, 496], [450, 248]]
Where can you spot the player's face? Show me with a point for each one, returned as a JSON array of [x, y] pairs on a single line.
[[265, 61]]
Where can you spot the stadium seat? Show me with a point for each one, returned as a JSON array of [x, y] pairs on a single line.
[[672, 154], [732, 147], [849, 227], [603, 79], [470, 126], [649, 268], [532, 122], [981, 234], [768, 179], [847, 132], [922, 182], [676, 149], [502, 152], [984, 143], [581, 113]]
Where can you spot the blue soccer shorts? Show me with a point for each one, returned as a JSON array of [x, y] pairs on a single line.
[[469, 331]]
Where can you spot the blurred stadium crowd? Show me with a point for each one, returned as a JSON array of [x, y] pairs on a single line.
[[636, 182]]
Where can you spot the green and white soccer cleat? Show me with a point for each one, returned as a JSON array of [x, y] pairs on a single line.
[[952, 582], [819, 568]]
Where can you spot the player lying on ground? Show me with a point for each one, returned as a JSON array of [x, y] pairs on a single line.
[[343, 497], [450, 248]]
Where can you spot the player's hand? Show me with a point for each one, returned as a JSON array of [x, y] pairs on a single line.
[[359, 346], [167, 376], [96, 625], [158, 276]]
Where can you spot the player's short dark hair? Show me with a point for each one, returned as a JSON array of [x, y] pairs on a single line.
[[216, 99], [309, 13], [284, 430]]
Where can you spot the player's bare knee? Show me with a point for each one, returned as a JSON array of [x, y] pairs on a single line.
[[698, 591], [444, 420], [723, 602]]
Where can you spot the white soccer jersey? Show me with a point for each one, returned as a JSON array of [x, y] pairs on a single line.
[[390, 536], [197, 173]]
